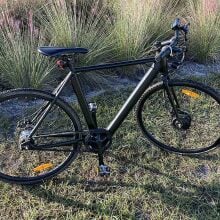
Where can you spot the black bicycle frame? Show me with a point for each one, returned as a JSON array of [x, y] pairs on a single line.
[[131, 101], [124, 111]]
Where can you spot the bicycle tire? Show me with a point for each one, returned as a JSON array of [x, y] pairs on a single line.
[[151, 92], [63, 107]]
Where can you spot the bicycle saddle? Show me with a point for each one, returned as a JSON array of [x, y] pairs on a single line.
[[59, 51]]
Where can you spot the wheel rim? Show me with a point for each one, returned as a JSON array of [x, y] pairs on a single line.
[[203, 132], [26, 164]]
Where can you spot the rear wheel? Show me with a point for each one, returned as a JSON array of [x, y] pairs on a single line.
[[195, 128], [18, 110]]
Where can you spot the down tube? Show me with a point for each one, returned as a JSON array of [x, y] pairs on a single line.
[[134, 97]]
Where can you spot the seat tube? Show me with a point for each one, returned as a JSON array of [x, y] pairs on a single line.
[[82, 101]]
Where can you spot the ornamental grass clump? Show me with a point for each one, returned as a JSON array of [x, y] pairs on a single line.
[[205, 29], [79, 24], [20, 63], [138, 24]]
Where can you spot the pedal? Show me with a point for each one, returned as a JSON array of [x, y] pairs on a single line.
[[104, 170]]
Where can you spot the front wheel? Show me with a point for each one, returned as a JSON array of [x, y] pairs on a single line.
[[195, 125]]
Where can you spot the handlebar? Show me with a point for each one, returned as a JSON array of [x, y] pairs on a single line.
[[169, 46]]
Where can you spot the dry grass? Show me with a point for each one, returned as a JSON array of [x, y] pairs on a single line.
[[145, 183], [205, 25]]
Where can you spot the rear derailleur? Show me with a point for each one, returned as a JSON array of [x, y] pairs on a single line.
[[23, 131]]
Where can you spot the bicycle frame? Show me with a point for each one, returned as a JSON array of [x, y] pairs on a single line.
[[130, 102], [126, 108]]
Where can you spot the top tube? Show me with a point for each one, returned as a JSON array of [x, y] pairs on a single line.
[[114, 65]]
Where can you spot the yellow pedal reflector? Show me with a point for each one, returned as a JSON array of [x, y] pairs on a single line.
[[43, 167], [190, 93]]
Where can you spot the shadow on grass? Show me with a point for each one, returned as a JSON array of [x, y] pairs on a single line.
[[199, 199], [204, 157], [50, 196], [191, 199]]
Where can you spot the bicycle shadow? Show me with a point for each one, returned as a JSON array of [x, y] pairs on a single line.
[[50, 196], [169, 195], [204, 157], [184, 193]]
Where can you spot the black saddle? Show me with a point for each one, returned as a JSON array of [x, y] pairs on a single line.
[[60, 51]]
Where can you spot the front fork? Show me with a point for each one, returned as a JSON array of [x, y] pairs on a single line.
[[169, 90], [171, 95]]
